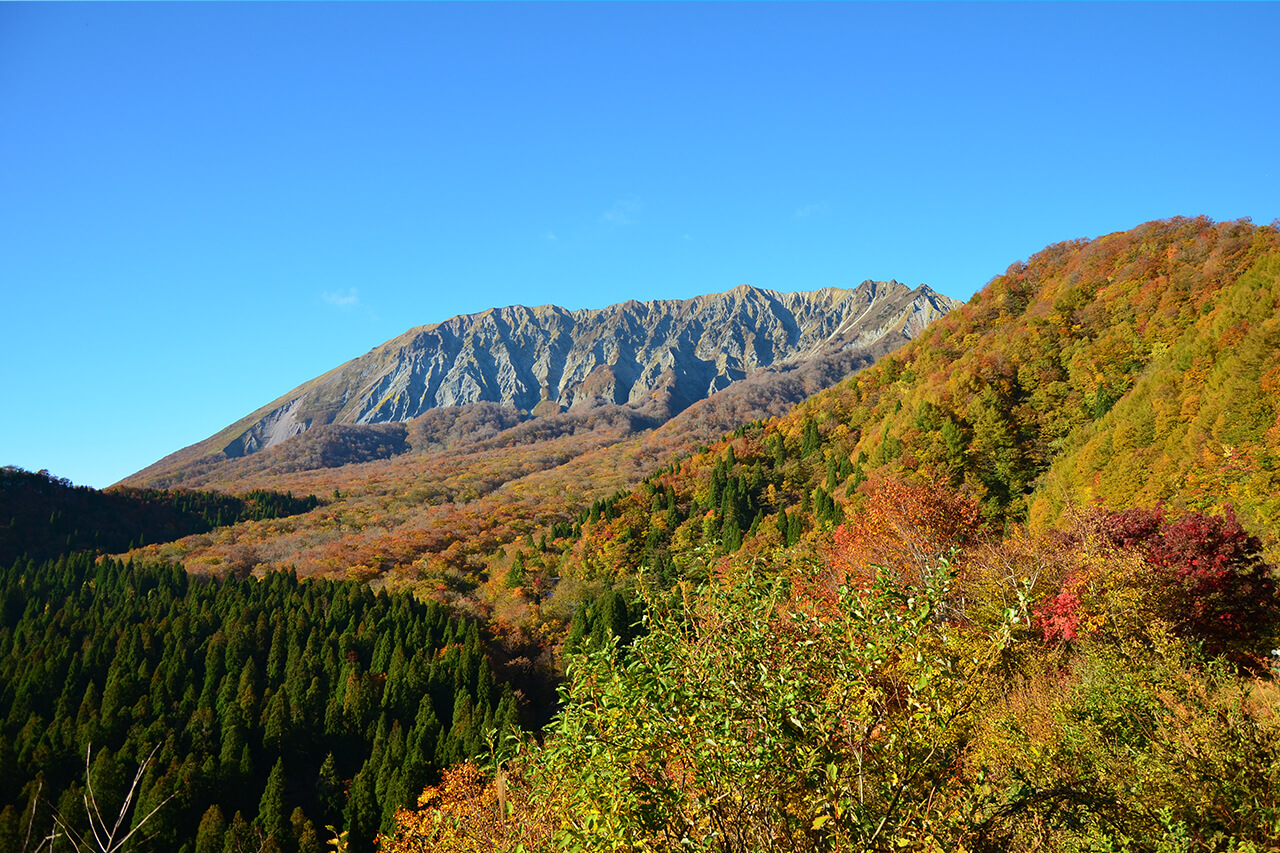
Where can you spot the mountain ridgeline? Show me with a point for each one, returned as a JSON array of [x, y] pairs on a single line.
[[655, 357]]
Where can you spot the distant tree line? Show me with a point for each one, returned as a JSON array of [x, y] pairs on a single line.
[[42, 516]]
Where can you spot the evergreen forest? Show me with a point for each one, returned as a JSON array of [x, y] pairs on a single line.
[[262, 711], [42, 516]]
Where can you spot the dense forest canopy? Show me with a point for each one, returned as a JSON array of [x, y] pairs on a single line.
[[42, 516], [276, 707]]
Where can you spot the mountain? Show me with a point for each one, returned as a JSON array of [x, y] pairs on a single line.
[[655, 357], [1135, 368], [1013, 587]]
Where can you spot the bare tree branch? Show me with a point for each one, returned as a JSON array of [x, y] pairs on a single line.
[[104, 840]]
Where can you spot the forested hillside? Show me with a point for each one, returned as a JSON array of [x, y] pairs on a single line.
[[469, 484], [1133, 369], [1065, 693], [43, 516], [261, 710]]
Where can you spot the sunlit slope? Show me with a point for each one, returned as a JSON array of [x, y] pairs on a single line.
[[1199, 426], [469, 481], [1136, 367], [1133, 368]]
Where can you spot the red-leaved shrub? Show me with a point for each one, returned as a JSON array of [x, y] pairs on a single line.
[[1206, 579]]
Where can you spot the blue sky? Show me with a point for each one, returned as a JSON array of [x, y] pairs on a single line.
[[204, 205]]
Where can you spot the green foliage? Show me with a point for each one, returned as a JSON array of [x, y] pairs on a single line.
[[777, 710], [747, 720], [271, 817], [211, 832], [264, 696], [599, 620], [43, 516], [516, 574], [1128, 747]]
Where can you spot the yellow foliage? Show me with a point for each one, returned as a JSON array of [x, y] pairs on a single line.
[[468, 812]]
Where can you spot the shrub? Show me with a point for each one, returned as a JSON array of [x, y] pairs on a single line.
[[1202, 575]]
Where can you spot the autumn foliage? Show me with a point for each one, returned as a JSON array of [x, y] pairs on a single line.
[[1203, 575], [745, 721], [903, 528], [470, 811]]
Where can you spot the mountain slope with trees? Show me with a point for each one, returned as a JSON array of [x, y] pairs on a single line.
[[470, 483], [269, 709], [1012, 588], [1134, 369], [42, 516]]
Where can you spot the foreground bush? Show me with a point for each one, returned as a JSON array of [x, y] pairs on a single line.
[[1202, 576]]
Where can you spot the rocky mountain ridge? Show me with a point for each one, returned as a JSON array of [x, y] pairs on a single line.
[[660, 357]]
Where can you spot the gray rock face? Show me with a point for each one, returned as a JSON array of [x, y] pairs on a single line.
[[661, 356]]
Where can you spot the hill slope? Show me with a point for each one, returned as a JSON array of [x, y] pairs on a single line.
[[1133, 368], [1137, 368]]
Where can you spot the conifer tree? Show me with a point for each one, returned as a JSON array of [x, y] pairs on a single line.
[[362, 817], [304, 833], [275, 725], [212, 832], [329, 789], [812, 440], [271, 808], [239, 837]]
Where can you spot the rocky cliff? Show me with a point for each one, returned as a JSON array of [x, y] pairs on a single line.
[[659, 356]]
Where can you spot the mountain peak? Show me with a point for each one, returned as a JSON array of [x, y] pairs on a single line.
[[658, 356]]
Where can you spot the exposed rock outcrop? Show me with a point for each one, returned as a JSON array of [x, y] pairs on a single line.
[[660, 356]]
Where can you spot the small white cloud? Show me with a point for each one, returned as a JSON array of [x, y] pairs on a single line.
[[623, 212], [349, 299], [687, 237], [810, 209], [549, 236]]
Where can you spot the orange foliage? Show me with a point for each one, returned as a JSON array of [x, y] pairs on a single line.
[[469, 812], [903, 528]]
